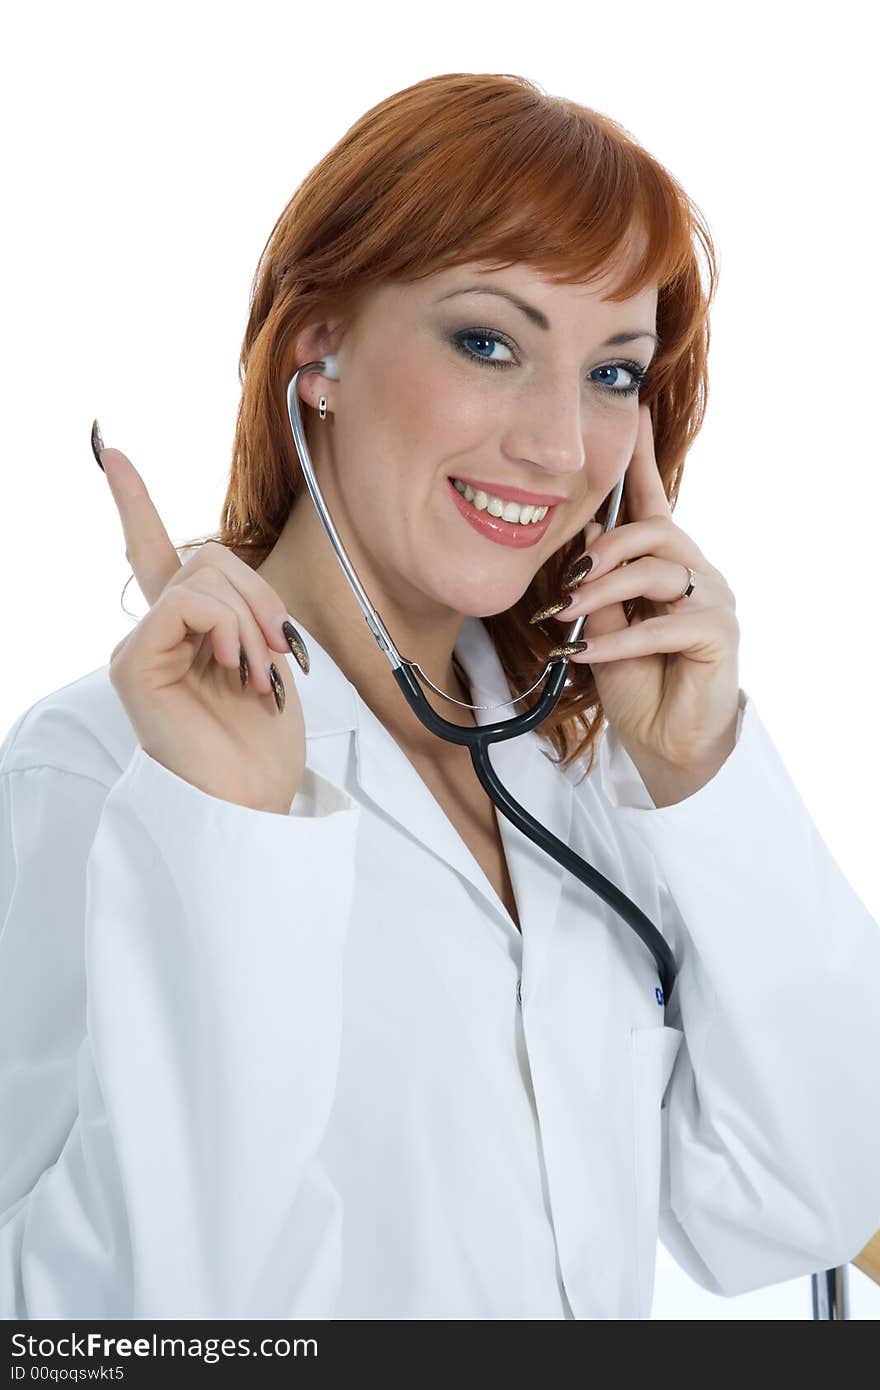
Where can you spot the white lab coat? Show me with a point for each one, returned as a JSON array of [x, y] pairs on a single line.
[[257, 1066]]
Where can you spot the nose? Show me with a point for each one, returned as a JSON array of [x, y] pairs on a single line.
[[547, 430]]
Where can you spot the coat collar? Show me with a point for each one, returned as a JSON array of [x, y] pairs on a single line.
[[332, 706]]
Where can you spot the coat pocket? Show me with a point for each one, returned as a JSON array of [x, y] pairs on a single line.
[[653, 1052]]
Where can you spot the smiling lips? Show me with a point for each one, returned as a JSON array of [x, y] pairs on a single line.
[[498, 507], [512, 494], [495, 528]]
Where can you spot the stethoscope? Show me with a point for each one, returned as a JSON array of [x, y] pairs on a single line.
[[478, 739]]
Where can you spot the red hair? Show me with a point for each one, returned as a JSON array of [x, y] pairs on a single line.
[[473, 167]]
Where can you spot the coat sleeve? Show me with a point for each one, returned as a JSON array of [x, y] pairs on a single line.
[[170, 1025], [771, 1118]]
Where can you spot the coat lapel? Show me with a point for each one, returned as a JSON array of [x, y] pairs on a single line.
[[386, 778]]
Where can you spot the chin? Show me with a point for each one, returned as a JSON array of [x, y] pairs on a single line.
[[477, 603]]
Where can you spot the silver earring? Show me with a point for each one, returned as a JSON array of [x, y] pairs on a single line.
[[322, 407]]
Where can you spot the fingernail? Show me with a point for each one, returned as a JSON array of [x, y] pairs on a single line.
[[296, 645], [97, 444], [277, 687], [578, 571], [242, 667], [551, 609], [568, 649]]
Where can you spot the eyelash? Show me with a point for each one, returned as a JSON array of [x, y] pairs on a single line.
[[638, 372]]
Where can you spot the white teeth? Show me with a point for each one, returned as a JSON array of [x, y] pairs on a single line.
[[495, 506]]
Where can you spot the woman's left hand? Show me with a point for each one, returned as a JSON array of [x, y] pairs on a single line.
[[669, 684]]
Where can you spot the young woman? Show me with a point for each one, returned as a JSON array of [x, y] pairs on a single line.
[[292, 1023]]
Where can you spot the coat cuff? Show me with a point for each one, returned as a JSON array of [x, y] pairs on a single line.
[[315, 798]]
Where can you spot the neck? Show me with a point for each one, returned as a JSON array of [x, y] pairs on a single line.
[[303, 570]]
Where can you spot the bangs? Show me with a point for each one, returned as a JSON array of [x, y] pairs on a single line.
[[529, 179]]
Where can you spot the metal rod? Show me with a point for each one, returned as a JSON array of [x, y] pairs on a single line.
[[831, 1293]]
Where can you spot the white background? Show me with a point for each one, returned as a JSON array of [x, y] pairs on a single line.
[[148, 152]]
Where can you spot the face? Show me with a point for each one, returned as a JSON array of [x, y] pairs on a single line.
[[444, 380]]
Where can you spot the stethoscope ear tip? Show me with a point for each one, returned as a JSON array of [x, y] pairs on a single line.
[[330, 368]]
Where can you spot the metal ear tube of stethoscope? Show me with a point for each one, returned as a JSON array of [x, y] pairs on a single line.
[[373, 620], [478, 738]]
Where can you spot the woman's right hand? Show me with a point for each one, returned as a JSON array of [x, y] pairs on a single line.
[[178, 674]]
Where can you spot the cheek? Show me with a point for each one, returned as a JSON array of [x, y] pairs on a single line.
[[608, 448], [402, 399], [609, 439], [402, 435], [426, 406]]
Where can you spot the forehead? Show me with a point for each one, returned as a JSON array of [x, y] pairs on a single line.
[[539, 289], [561, 302], [542, 285]]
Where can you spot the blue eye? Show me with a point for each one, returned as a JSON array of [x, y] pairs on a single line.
[[485, 335]]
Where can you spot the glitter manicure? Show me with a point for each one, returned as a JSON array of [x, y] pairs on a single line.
[[297, 645], [277, 687]]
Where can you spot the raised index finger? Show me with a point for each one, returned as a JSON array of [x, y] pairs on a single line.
[[148, 546]]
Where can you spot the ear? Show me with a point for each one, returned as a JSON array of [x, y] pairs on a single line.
[[315, 343]]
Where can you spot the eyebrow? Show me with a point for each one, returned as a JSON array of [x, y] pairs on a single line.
[[542, 321]]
